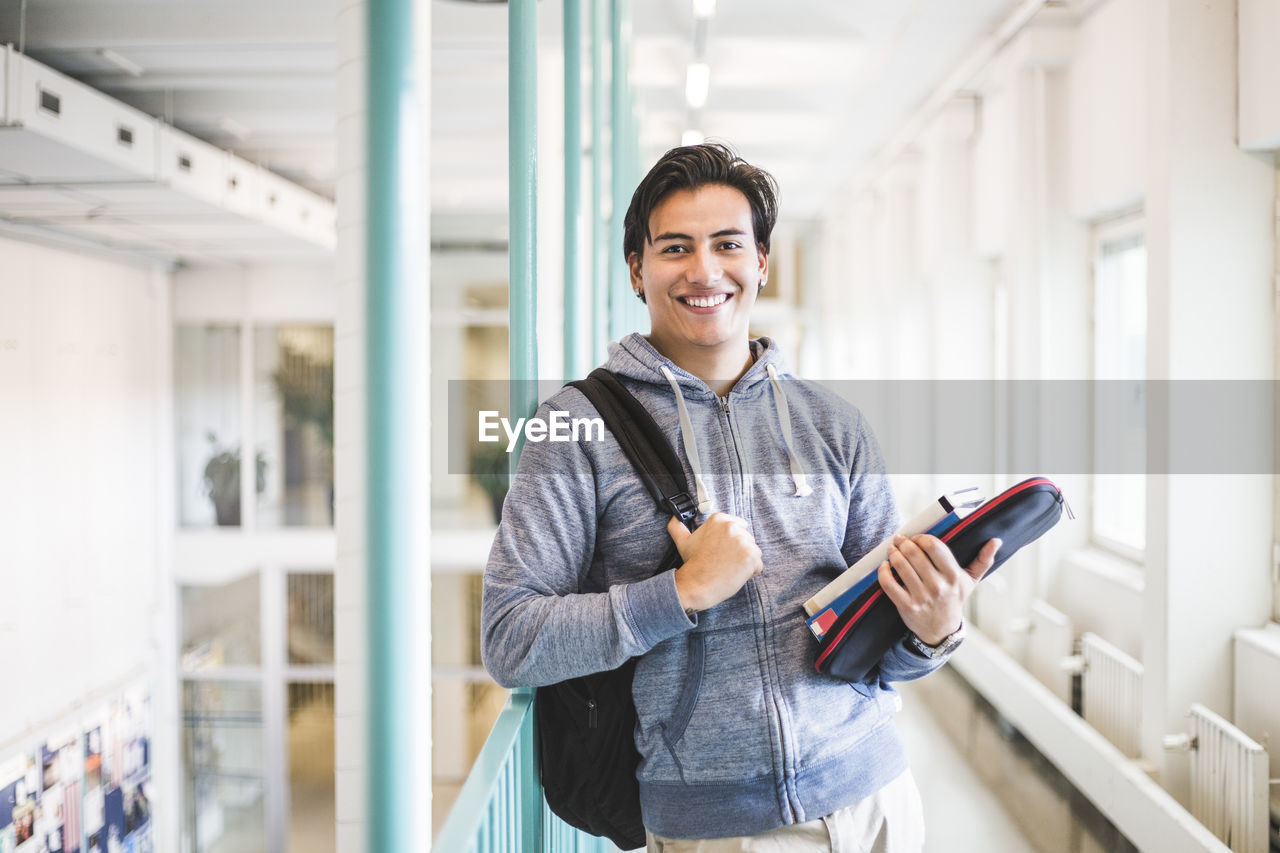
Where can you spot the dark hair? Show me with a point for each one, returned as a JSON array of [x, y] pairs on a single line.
[[693, 166]]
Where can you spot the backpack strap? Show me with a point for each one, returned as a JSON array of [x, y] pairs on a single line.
[[642, 442]]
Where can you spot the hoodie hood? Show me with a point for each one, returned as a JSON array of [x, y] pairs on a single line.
[[634, 357]]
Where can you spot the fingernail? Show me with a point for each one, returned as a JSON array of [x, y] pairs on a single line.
[[898, 538], [999, 544]]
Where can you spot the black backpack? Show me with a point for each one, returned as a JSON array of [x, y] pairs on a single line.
[[586, 726]]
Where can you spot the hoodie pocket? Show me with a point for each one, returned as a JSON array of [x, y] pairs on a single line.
[[718, 730], [673, 729]]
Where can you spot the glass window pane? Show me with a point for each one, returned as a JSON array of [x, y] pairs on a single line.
[[207, 361], [310, 619], [312, 814], [293, 405], [1120, 353], [223, 791], [221, 625]]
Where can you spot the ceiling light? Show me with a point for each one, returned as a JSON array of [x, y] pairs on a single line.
[[123, 63], [234, 128], [696, 84], [691, 137], [704, 8]]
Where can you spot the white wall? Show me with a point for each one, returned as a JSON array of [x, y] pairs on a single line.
[[1086, 114], [86, 498], [1107, 127]]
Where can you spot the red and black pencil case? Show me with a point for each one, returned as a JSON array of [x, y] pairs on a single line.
[[870, 626]]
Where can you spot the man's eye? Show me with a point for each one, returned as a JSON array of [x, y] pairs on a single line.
[[731, 244], [673, 249]]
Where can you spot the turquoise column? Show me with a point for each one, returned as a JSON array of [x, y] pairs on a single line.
[[574, 337], [620, 113], [396, 512], [599, 226], [638, 314], [522, 157], [522, 147]]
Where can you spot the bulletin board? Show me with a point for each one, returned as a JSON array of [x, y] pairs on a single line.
[[83, 787]]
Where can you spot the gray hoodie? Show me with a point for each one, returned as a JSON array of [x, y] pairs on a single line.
[[737, 732]]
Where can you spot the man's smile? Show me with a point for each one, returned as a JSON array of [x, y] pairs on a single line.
[[705, 304]]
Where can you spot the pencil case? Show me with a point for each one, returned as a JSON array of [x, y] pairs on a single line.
[[870, 625]]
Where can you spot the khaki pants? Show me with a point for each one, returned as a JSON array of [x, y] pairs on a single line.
[[889, 821]]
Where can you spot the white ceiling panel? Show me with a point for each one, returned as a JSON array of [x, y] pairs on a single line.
[[813, 88], [771, 63]]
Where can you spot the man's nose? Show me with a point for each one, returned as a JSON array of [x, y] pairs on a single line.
[[704, 267]]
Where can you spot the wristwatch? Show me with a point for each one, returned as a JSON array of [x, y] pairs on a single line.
[[945, 646]]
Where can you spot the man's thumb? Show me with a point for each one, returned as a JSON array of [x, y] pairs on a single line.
[[986, 559], [679, 533]]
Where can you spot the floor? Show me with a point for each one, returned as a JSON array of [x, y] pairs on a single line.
[[985, 788], [961, 812]]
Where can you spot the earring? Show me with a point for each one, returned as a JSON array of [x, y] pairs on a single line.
[[640, 295]]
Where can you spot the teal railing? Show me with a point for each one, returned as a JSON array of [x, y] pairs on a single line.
[[501, 808], [492, 813]]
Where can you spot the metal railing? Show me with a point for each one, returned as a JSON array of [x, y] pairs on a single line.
[[501, 808]]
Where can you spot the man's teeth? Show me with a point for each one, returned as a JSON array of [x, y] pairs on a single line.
[[706, 301]]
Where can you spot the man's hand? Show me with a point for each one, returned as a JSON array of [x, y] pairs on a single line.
[[719, 558], [930, 596]]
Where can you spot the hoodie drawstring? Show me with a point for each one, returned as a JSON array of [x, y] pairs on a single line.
[[784, 422], [803, 489], [690, 443]]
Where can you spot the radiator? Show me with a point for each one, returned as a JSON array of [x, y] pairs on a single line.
[[1228, 782], [1050, 641], [1111, 693]]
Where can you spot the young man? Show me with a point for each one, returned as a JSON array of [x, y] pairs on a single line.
[[741, 740]]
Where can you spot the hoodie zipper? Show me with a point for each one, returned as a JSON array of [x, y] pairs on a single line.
[[766, 669]]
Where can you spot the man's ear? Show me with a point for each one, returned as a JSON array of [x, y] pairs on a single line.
[[633, 264], [764, 262]]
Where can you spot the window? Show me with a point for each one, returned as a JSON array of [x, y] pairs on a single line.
[[284, 411], [209, 425], [293, 406], [224, 803], [312, 808], [258, 713], [1120, 368], [221, 625]]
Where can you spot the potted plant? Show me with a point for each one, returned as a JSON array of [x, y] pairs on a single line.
[[222, 481]]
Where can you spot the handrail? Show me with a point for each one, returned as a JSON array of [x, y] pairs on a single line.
[[488, 814]]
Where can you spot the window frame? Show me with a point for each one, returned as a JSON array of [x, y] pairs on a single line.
[[1118, 230]]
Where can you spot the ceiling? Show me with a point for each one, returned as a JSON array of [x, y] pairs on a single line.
[[810, 89]]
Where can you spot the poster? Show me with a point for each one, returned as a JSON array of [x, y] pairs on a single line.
[[133, 719], [91, 809], [83, 788], [118, 777], [23, 814]]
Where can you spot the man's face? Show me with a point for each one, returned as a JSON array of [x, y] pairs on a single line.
[[700, 272]]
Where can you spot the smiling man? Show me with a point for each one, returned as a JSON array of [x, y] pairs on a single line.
[[743, 745], [699, 267]]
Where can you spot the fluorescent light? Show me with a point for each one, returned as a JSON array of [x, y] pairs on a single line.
[[697, 83], [704, 8], [123, 63], [234, 128], [692, 137]]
